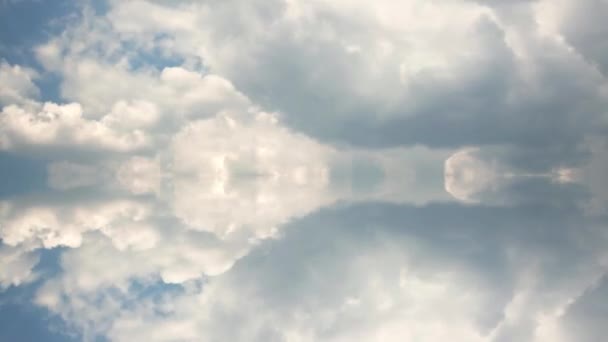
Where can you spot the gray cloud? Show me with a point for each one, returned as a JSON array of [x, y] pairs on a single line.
[[586, 317], [583, 27], [326, 256]]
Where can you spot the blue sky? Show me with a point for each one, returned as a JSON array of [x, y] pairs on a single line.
[[24, 25], [28, 23], [23, 321], [286, 171]]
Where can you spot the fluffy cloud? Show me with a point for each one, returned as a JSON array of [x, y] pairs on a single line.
[[140, 98], [494, 69], [352, 72], [250, 175], [40, 225], [62, 126], [17, 85], [475, 277], [246, 176], [17, 266], [102, 233], [199, 142], [140, 175]]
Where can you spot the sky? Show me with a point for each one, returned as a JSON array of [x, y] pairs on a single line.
[[303, 171]]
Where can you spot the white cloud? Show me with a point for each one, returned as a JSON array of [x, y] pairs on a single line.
[[386, 289], [416, 66], [141, 98], [374, 74], [62, 126], [16, 266], [138, 114], [40, 225], [247, 175], [232, 181], [201, 181], [17, 85], [140, 175]]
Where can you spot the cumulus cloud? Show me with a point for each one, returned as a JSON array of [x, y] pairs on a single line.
[[494, 67], [141, 97], [334, 65], [249, 174], [62, 126], [473, 278], [17, 85], [140, 175], [46, 226], [246, 175], [315, 171]]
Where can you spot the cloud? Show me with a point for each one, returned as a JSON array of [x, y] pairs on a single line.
[[39, 225], [65, 175], [140, 175], [425, 273], [584, 318], [491, 174], [496, 70], [17, 85], [145, 97], [134, 175], [250, 174], [246, 175], [466, 176], [17, 266], [314, 171], [62, 126], [379, 81], [581, 25]]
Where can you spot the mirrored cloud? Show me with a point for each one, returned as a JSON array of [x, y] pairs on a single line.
[[474, 175], [309, 171]]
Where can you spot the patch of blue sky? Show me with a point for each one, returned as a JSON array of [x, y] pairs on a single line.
[[50, 87], [155, 292], [25, 24], [153, 58], [29, 323], [101, 7], [21, 320], [49, 263]]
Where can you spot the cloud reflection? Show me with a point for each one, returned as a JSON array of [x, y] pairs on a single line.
[[309, 171]]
